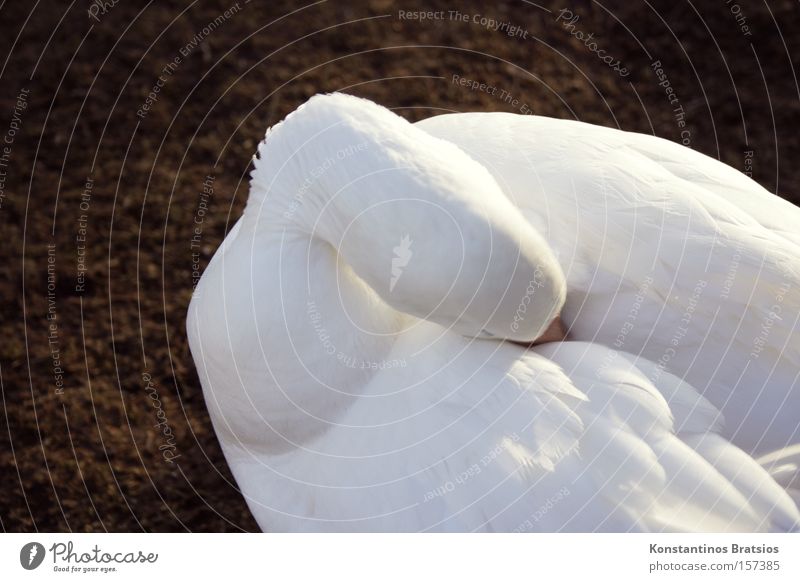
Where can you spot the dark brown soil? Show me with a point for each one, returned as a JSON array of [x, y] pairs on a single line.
[[93, 457]]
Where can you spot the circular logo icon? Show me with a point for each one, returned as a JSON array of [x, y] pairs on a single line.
[[31, 555]]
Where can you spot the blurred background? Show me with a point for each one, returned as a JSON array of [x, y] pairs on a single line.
[[126, 133]]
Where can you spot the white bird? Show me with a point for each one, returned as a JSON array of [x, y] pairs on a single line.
[[351, 336], [669, 254]]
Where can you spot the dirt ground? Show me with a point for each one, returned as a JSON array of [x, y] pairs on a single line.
[[117, 117]]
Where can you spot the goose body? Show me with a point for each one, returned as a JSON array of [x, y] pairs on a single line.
[[348, 335], [669, 254]]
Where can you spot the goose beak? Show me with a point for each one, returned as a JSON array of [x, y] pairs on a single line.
[[555, 332]]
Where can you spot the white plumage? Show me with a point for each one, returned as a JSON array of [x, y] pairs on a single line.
[[342, 331], [669, 254]]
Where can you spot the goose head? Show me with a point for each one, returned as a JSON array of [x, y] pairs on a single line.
[[423, 224]]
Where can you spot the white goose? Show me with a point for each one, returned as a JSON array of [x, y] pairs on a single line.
[[336, 330], [669, 254]]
